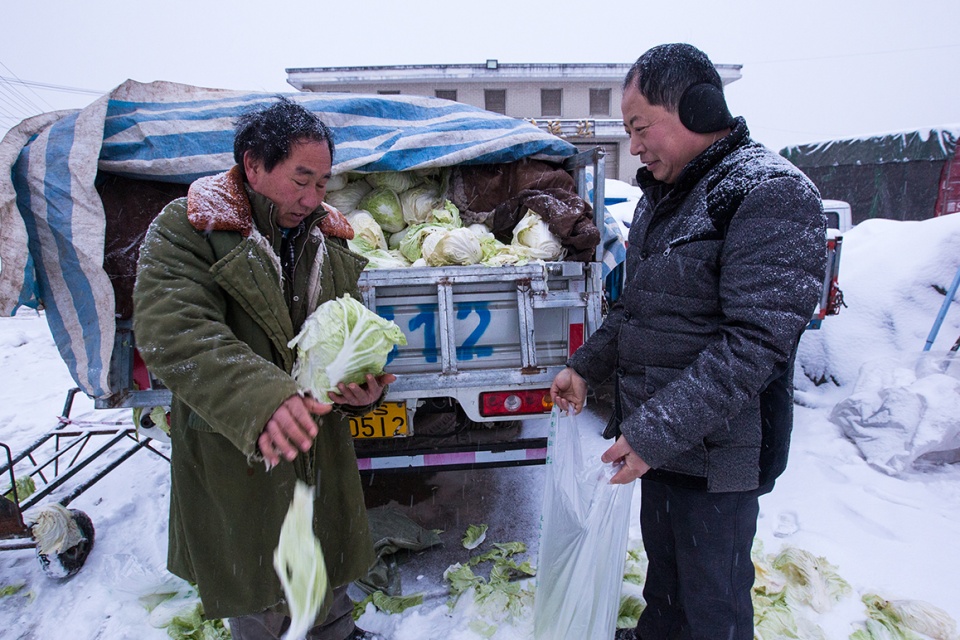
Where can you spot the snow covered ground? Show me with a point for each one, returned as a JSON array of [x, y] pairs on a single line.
[[894, 534]]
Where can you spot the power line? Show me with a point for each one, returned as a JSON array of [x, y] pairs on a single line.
[[52, 87], [7, 81]]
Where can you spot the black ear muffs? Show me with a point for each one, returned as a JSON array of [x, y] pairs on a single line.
[[703, 109]]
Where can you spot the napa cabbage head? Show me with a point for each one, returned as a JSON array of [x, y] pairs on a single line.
[[532, 232], [396, 181], [367, 234], [347, 197], [342, 341], [384, 205], [419, 202], [451, 247]]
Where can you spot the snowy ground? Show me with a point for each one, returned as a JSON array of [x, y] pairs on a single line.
[[895, 535]]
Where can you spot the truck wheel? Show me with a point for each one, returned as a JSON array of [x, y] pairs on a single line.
[[67, 563]]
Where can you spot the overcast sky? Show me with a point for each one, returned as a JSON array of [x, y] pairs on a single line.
[[812, 69]]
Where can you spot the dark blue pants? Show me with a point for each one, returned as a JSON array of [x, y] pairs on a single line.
[[700, 574]]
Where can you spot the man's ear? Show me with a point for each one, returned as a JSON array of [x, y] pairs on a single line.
[[252, 168]]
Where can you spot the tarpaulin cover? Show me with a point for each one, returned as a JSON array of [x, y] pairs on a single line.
[[59, 168], [896, 175]]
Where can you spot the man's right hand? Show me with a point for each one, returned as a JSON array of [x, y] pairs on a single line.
[[569, 390], [291, 429]]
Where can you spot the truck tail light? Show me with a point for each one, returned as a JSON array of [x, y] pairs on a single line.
[[515, 403], [576, 337]]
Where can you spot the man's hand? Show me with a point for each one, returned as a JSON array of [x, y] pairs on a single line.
[[291, 428], [361, 395], [633, 465], [569, 390]]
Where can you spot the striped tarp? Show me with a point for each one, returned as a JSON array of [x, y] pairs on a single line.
[[52, 220]]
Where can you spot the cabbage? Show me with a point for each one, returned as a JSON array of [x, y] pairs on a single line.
[[419, 202], [393, 242], [347, 198], [532, 232], [447, 215], [384, 205], [55, 529], [367, 233], [396, 181], [337, 182], [299, 564], [497, 254], [412, 241], [451, 246], [480, 230], [342, 341], [380, 258]]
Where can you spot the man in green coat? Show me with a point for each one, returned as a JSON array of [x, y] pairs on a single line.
[[226, 278]]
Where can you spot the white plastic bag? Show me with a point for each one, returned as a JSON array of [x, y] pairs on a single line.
[[583, 539]]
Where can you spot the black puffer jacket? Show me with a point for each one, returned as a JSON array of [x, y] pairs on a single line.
[[724, 270]]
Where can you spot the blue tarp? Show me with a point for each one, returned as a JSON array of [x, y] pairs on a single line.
[[52, 221]]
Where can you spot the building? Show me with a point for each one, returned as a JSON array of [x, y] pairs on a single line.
[[579, 102]]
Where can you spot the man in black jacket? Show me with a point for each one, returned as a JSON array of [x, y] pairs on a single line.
[[724, 269]]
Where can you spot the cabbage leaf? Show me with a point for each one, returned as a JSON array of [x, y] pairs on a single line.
[[299, 563]]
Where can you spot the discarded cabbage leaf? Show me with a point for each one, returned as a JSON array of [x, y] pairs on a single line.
[[395, 604], [347, 198], [11, 589], [913, 615], [419, 202], [532, 232], [461, 578], [811, 579], [384, 205], [630, 609], [342, 341], [25, 488], [367, 233], [396, 181], [474, 536], [451, 247], [298, 561]]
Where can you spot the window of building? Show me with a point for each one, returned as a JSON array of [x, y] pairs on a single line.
[[495, 100], [600, 102], [446, 94], [388, 92], [550, 102]]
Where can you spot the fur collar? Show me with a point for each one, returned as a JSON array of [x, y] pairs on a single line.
[[220, 203]]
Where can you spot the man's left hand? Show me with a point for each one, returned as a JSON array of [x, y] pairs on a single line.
[[360, 395], [633, 465]]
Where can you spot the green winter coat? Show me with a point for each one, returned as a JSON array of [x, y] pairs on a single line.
[[212, 321]]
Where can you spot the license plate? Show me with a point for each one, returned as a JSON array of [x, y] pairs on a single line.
[[389, 420]]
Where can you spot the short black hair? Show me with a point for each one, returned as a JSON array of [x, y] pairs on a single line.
[[268, 132], [663, 73]]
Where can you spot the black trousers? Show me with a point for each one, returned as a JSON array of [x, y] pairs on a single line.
[[700, 573]]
